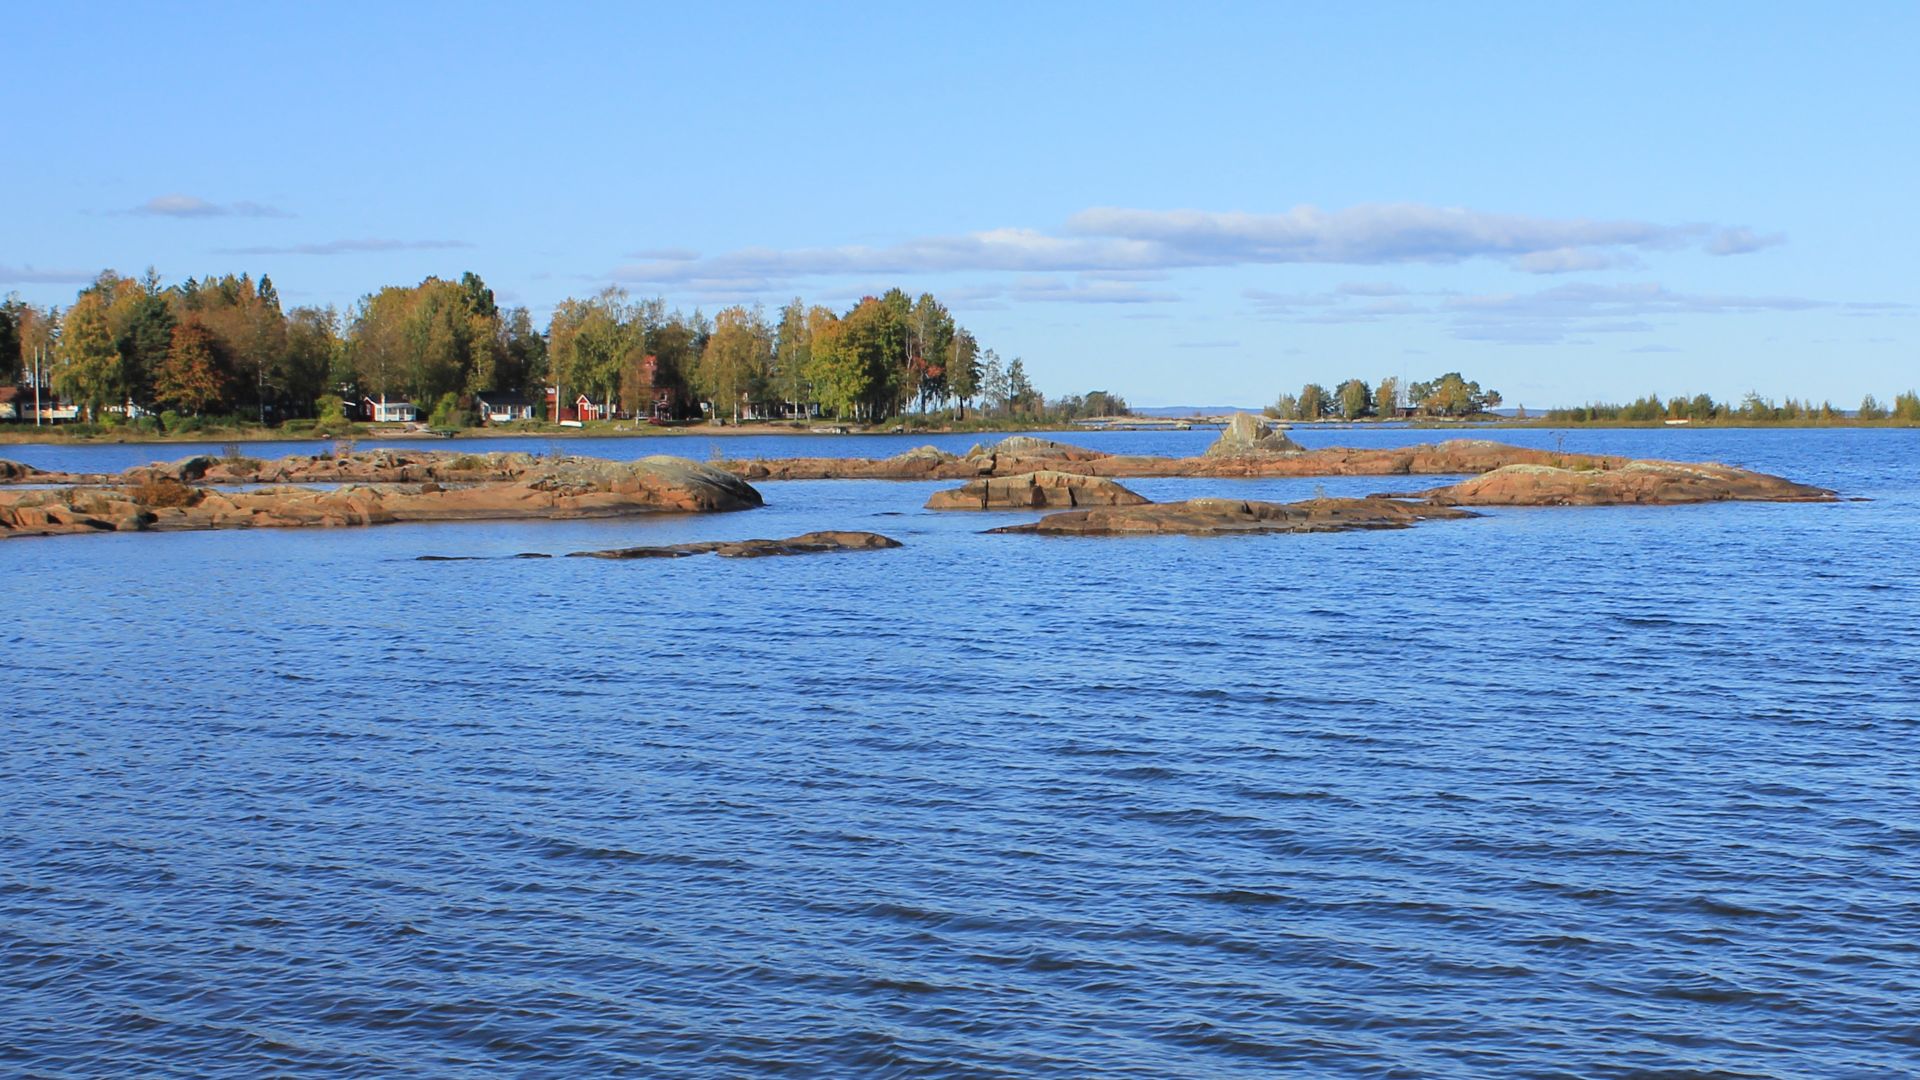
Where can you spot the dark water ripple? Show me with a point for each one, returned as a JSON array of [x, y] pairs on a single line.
[[1556, 793]]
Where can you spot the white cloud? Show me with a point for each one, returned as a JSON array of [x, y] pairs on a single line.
[[1740, 241], [33, 275], [1084, 291], [1573, 260], [348, 247], [1371, 288], [192, 206], [1127, 244]]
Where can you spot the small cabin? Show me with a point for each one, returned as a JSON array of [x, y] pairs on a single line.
[[502, 406], [382, 411], [583, 408]]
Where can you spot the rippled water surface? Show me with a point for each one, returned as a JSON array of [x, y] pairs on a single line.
[[1553, 792]]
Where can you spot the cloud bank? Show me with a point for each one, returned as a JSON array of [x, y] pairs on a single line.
[[1116, 240]]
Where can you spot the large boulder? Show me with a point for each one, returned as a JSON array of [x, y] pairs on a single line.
[[1030, 446], [1245, 436], [1660, 482], [1042, 490], [1210, 517]]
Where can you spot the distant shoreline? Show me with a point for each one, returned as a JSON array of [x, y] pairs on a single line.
[[15, 434]]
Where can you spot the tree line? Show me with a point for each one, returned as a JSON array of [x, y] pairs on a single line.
[[226, 346], [1451, 395], [1752, 409]]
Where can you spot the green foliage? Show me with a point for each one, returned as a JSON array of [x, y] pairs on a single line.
[[737, 365], [447, 413], [329, 411], [90, 372], [1355, 398], [1313, 403], [1452, 395]]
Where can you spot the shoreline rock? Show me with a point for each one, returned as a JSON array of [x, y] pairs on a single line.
[[569, 488]]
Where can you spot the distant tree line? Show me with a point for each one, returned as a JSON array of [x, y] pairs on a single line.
[[1752, 409], [1450, 395], [226, 346]]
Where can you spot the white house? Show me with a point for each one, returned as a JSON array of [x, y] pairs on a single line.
[[502, 406], [381, 411]]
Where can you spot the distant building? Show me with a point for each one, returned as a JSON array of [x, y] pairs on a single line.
[[17, 403], [382, 411], [503, 406], [583, 408]]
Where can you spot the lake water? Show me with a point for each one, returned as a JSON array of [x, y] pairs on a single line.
[[1553, 792]]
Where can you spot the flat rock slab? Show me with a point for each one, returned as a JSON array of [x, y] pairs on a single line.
[[568, 488], [1636, 482], [813, 543], [1215, 517], [1045, 490]]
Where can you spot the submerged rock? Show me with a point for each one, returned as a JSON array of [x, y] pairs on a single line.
[[1035, 491], [1246, 435], [1209, 517], [1656, 482], [813, 543]]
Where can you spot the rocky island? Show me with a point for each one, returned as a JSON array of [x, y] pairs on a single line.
[[1018, 473], [185, 497]]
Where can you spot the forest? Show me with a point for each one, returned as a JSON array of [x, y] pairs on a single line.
[[225, 346]]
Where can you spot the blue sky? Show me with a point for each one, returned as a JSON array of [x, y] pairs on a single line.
[[1195, 203]]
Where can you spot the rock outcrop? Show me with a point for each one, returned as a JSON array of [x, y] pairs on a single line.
[[1245, 435], [1657, 482], [1211, 517], [567, 488], [13, 472], [1035, 491], [813, 543]]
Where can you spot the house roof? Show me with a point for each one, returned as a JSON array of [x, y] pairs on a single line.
[[502, 397], [374, 399]]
